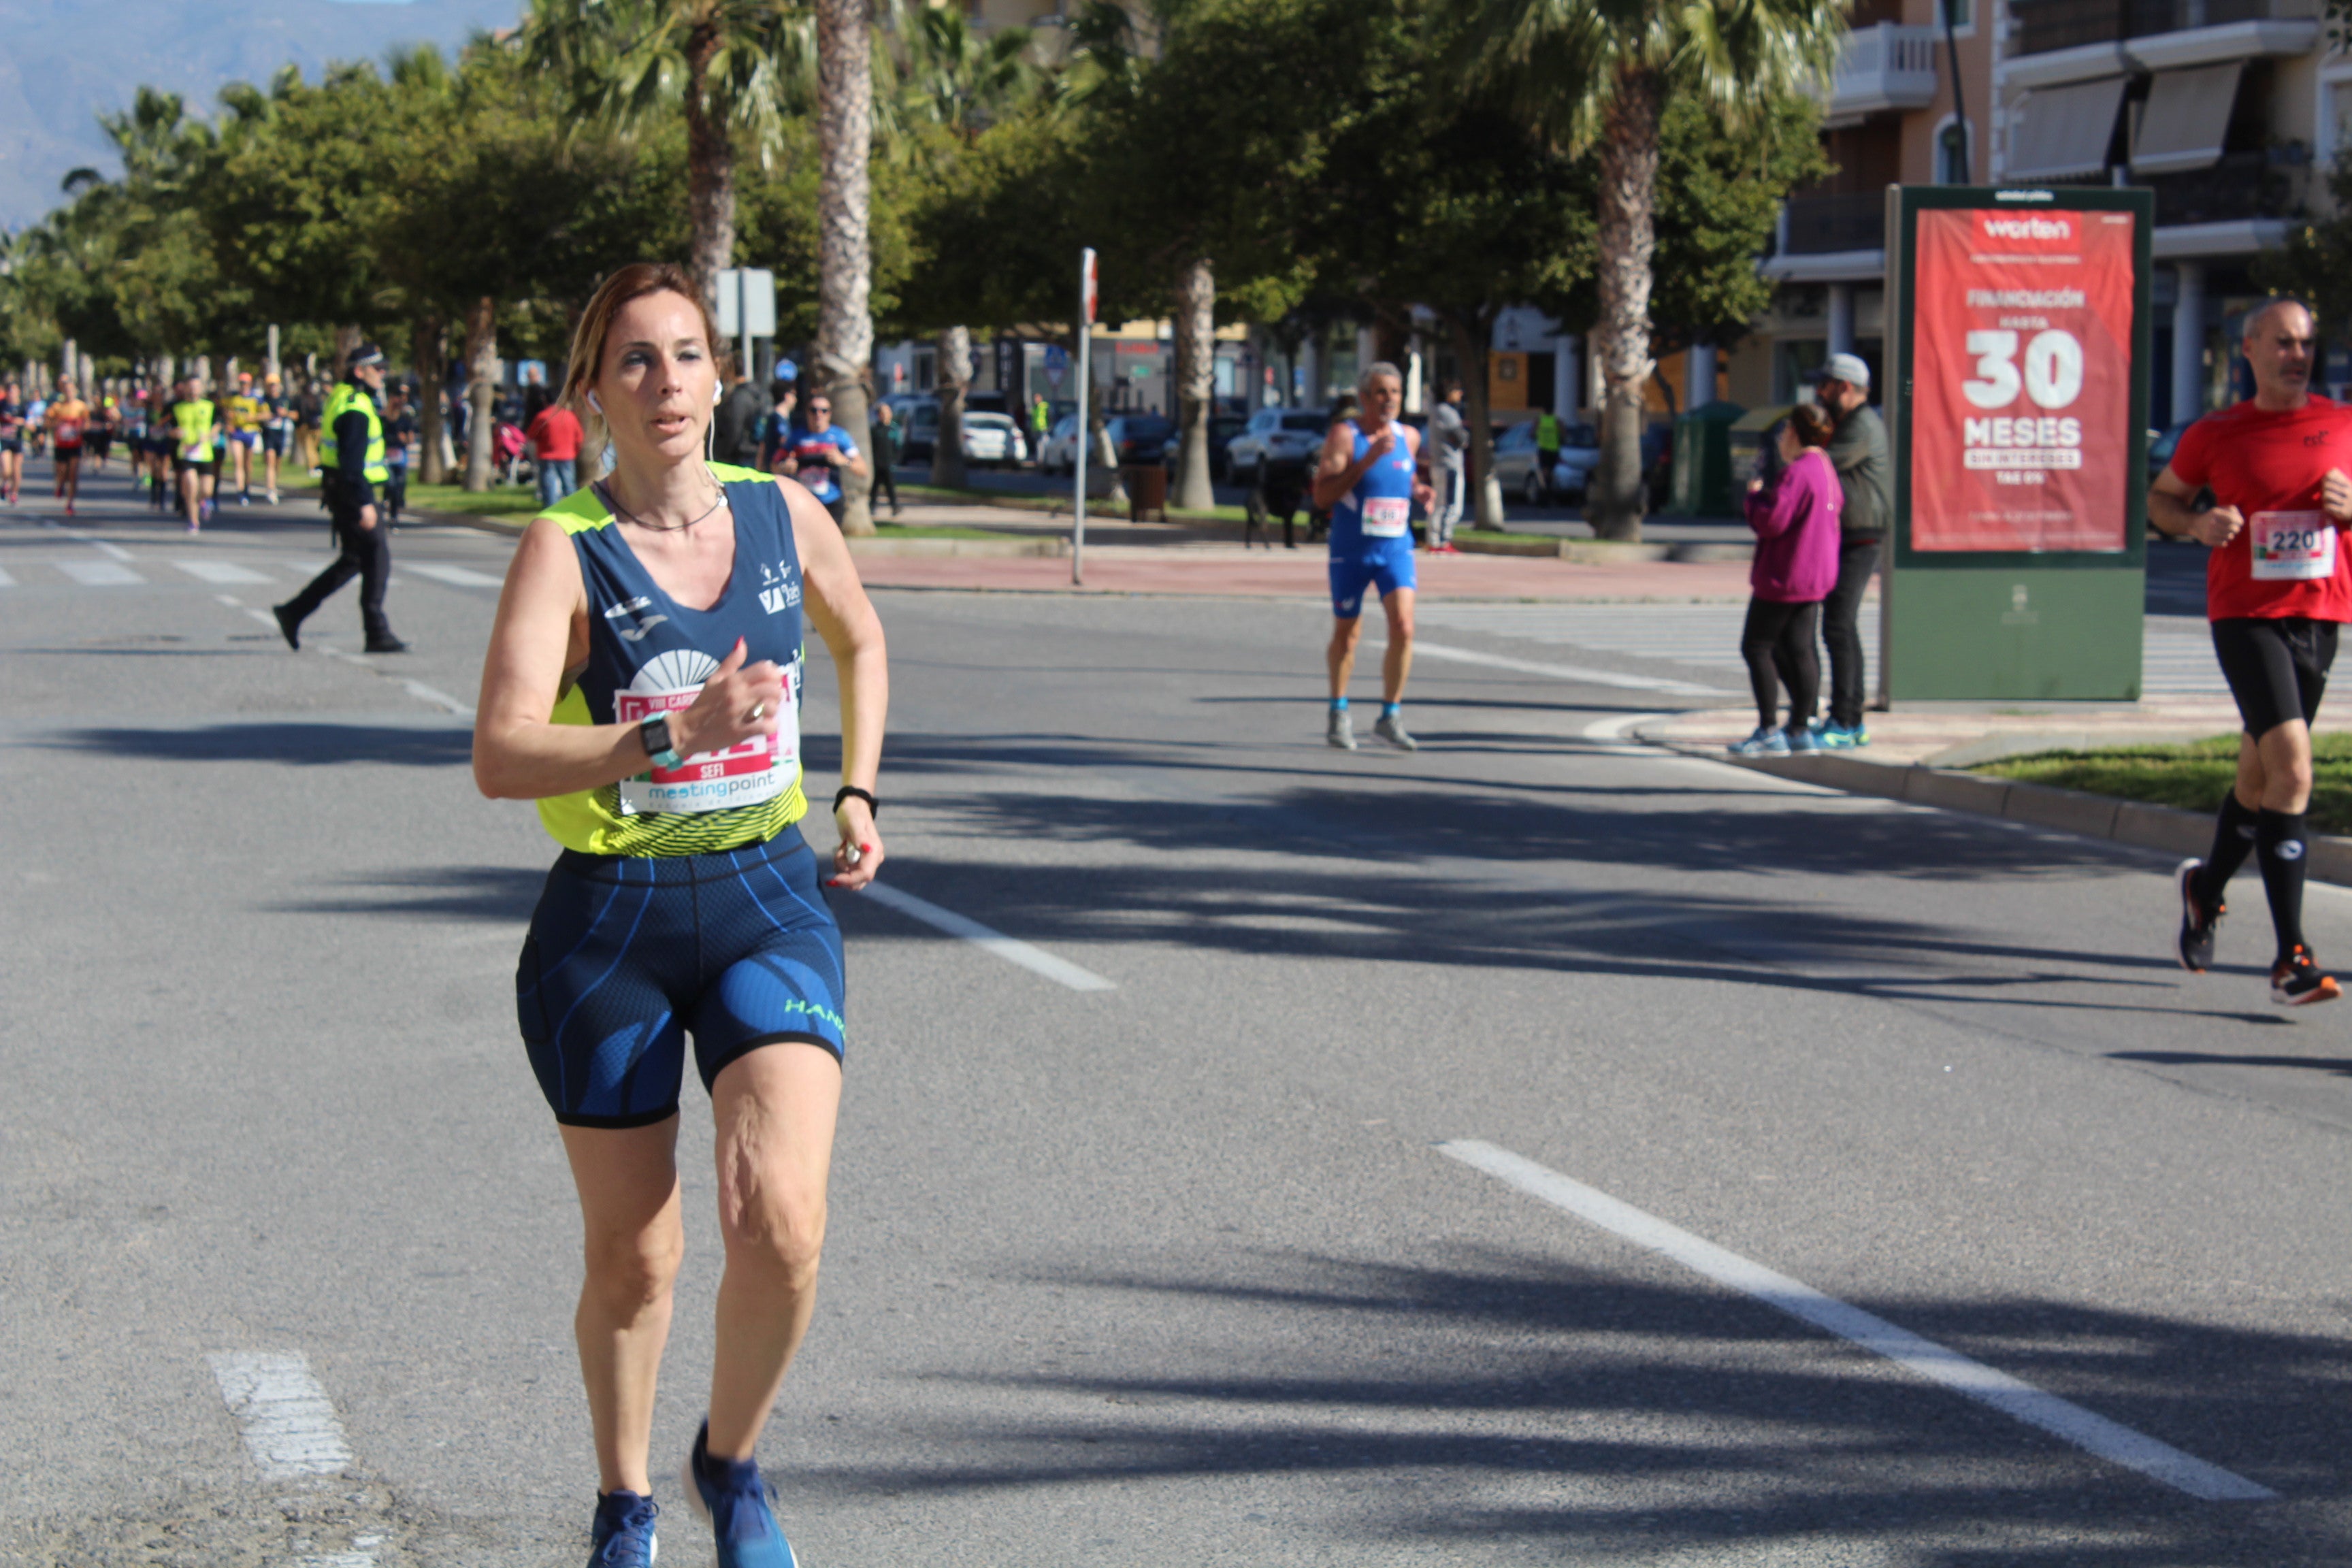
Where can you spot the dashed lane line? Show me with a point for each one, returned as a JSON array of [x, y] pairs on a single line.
[[98, 573], [1012, 950], [416, 689], [458, 576], [221, 572], [1583, 675], [2013, 1397], [287, 1422]]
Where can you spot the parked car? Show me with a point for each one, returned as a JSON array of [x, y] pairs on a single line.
[[1222, 429], [994, 439], [1141, 437], [1274, 435], [1058, 454], [920, 417], [2160, 448], [1514, 464], [1580, 454]]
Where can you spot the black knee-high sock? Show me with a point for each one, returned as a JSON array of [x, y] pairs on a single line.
[[2279, 846], [2233, 840]]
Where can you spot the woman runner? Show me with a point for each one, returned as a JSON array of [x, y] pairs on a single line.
[[68, 422], [642, 684]]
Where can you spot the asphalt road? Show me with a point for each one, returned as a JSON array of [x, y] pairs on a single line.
[[1172, 1270]]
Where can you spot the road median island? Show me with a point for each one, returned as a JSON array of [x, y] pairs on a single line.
[[2151, 794]]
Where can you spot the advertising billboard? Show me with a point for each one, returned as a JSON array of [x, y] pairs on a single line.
[[2017, 322]]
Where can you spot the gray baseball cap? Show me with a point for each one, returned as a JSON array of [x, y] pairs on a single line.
[[1848, 368]]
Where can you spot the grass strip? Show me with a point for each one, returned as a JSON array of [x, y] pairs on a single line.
[[498, 500], [2191, 776]]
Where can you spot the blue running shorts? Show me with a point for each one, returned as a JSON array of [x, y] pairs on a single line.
[[1387, 562], [628, 954]]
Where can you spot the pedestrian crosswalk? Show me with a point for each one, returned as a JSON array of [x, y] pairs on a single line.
[[125, 571], [2176, 658]]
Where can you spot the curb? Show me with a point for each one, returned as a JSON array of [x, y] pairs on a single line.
[[2130, 822], [858, 545]]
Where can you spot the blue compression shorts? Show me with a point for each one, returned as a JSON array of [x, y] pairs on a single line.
[[628, 954], [1387, 562]]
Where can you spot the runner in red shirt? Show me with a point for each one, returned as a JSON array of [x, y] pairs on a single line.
[[2265, 486]]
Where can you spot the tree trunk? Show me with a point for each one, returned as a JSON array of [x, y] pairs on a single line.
[[347, 342], [426, 352], [954, 381], [1196, 372], [1471, 339], [709, 173], [1627, 235], [481, 390], [844, 134]]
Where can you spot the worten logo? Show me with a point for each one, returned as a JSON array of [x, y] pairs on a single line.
[[2028, 225], [636, 629], [784, 589]]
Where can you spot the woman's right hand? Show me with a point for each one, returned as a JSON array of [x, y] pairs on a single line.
[[721, 714]]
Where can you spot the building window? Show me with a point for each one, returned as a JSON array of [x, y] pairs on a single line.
[[1960, 16]]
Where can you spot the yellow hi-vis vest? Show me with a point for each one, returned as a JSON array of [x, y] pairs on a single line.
[[339, 402]]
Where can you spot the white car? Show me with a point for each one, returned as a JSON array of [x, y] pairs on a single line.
[[1058, 453], [992, 439], [1274, 435]]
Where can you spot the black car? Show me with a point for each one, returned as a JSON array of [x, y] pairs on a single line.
[[1141, 437], [1222, 429]]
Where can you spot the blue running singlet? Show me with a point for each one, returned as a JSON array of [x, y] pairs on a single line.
[[1371, 533], [684, 901]]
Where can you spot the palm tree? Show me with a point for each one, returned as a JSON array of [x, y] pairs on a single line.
[[961, 82], [1598, 74], [844, 275], [730, 66]]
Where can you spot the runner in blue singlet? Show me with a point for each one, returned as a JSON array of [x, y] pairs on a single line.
[[643, 686], [1367, 478]]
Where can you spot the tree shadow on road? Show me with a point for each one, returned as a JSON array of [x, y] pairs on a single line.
[[503, 894], [428, 743], [1620, 1419]]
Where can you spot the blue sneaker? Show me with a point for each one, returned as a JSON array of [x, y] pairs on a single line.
[[1838, 738], [623, 1535], [726, 1494], [1768, 742], [1802, 739]]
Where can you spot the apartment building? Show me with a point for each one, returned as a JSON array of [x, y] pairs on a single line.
[[2230, 109]]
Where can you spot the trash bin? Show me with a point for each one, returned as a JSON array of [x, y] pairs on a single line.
[[1702, 484], [1747, 436], [1147, 492]]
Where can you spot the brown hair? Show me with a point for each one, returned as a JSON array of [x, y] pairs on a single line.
[[1812, 422], [634, 282]]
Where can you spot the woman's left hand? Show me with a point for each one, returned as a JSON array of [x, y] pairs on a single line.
[[859, 855]]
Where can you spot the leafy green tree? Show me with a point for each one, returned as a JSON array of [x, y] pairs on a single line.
[[2312, 263], [1601, 74]]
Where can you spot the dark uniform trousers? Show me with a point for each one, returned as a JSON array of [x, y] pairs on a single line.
[[367, 555]]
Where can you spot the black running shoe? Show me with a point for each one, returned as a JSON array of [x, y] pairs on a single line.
[[2296, 980], [2198, 921], [290, 625]]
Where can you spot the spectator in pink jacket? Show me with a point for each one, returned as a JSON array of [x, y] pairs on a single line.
[[1796, 521]]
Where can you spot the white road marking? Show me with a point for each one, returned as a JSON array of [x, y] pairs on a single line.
[[220, 571], [6, 580], [424, 693], [461, 576], [98, 573], [1614, 728], [2070, 1423], [1583, 674], [1037, 960], [116, 550], [286, 1418]]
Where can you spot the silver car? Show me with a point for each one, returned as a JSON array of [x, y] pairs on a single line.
[[1275, 435], [994, 439]]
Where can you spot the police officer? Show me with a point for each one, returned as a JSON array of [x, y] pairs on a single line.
[[353, 465]]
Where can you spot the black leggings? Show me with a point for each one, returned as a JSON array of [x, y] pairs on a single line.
[[1778, 644]]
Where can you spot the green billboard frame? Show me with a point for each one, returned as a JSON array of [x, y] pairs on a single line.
[[2063, 626]]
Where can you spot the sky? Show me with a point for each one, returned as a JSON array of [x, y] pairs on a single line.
[[68, 60]]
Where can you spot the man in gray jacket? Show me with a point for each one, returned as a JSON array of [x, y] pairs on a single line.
[[1449, 443], [1857, 450]]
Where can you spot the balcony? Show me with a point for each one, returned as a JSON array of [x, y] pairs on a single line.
[[2242, 185], [2045, 27], [1827, 225], [1883, 67]]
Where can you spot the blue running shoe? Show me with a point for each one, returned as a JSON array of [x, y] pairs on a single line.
[[1802, 739], [726, 1494], [1838, 738], [1768, 742], [623, 1535]]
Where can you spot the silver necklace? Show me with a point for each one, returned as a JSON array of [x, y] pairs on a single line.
[[625, 515]]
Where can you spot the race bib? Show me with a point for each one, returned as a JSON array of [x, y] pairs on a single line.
[[1386, 517], [68, 434], [2293, 546], [757, 770]]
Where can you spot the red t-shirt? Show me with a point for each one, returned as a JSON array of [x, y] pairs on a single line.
[[2269, 465], [555, 435]]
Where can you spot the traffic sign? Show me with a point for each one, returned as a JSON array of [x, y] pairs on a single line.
[[747, 302], [1086, 270], [1058, 362]]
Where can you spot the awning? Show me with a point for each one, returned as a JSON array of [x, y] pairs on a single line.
[[2063, 132], [2187, 116]]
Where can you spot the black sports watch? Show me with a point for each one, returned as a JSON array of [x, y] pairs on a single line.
[[655, 732]]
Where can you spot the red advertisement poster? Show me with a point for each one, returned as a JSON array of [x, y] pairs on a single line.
[[2020, 412]]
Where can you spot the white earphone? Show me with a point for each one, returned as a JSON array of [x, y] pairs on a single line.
[[593, 403]]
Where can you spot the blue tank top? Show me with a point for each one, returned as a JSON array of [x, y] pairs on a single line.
[[649, 654], [1381, 506]]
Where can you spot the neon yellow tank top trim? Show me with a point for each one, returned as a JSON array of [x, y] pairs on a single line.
[[592, 821]]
